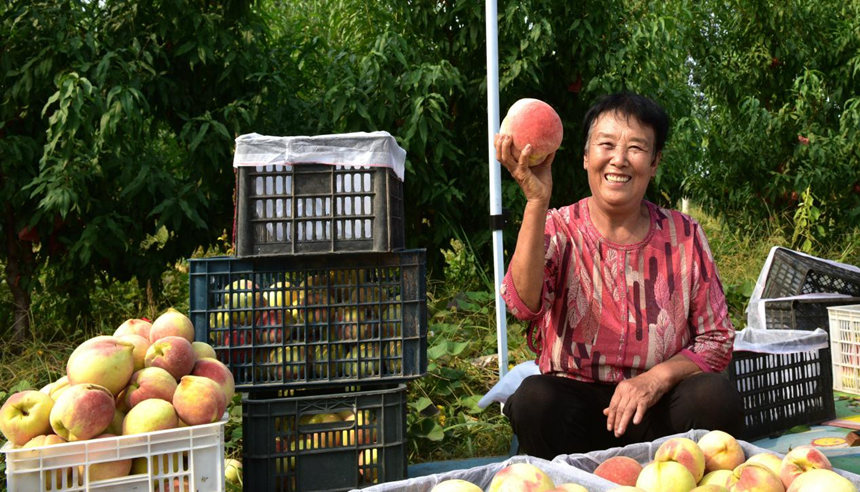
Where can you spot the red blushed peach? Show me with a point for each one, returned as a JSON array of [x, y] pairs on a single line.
[[752, 477], [534, 122], [82, 412], [149, 382], [171, 323], [622, 470], [802, 459], [684, 451], [134, 326], [173, 354], [215, 370], [199, 400]]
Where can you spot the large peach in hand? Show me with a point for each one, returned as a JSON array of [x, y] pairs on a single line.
[[199, 400], [665, 476], [685, 451], [619, 469], [82, 412], [722, 451], [103, 360], [533, 122], [521, 477], [25, 415], [802, 459]]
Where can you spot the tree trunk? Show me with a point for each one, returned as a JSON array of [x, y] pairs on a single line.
[[20, 263]]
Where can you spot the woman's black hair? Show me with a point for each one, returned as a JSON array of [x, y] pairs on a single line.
[[645, 110]]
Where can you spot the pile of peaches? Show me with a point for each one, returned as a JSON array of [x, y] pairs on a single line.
[[715, 463], [144, 377]]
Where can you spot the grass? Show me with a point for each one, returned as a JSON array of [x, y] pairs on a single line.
[[443, 421]]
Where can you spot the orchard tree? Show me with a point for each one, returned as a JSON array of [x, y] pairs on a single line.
[[418, 70], [780, 113], [116, 135]]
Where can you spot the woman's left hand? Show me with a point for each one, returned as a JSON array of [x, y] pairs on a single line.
[[632, 398]]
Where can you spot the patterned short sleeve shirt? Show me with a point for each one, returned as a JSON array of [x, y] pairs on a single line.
[[610, 311]]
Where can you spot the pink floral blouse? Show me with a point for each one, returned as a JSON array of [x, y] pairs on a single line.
[[610, 311]]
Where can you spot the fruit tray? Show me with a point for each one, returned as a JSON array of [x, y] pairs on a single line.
[[300, 321], [183, 459], [312, 440], [845, 347], [781, 391], [792, 273], [317, 208]]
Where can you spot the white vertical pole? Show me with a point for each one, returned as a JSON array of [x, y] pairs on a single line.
[[495, 178]]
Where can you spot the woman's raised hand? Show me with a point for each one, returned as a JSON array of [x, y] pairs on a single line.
[[535, 181]]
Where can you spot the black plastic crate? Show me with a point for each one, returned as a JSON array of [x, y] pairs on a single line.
[[311, 320], [307, 440], [781, 391], [317, 208], [792, 273], [802, 314]]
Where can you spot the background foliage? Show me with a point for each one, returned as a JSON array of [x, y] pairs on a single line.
[[117, 122], [117, 119]]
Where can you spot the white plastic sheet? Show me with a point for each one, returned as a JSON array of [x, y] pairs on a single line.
[[780, 341], [509, 383], [358, 149]]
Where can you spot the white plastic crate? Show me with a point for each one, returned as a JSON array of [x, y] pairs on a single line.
[[845, 347], [186, 459]]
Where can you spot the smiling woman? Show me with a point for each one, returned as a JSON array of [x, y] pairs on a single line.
[[623, 299]]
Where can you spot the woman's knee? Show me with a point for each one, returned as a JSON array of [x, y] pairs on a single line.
[[708, 401]]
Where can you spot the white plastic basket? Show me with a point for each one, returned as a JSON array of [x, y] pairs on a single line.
[[184, 459], [845, 347]]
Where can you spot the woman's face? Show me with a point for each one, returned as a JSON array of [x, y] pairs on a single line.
[[620, 161]]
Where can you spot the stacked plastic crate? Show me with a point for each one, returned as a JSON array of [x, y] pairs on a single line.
[[322, 314], [782, 389]]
